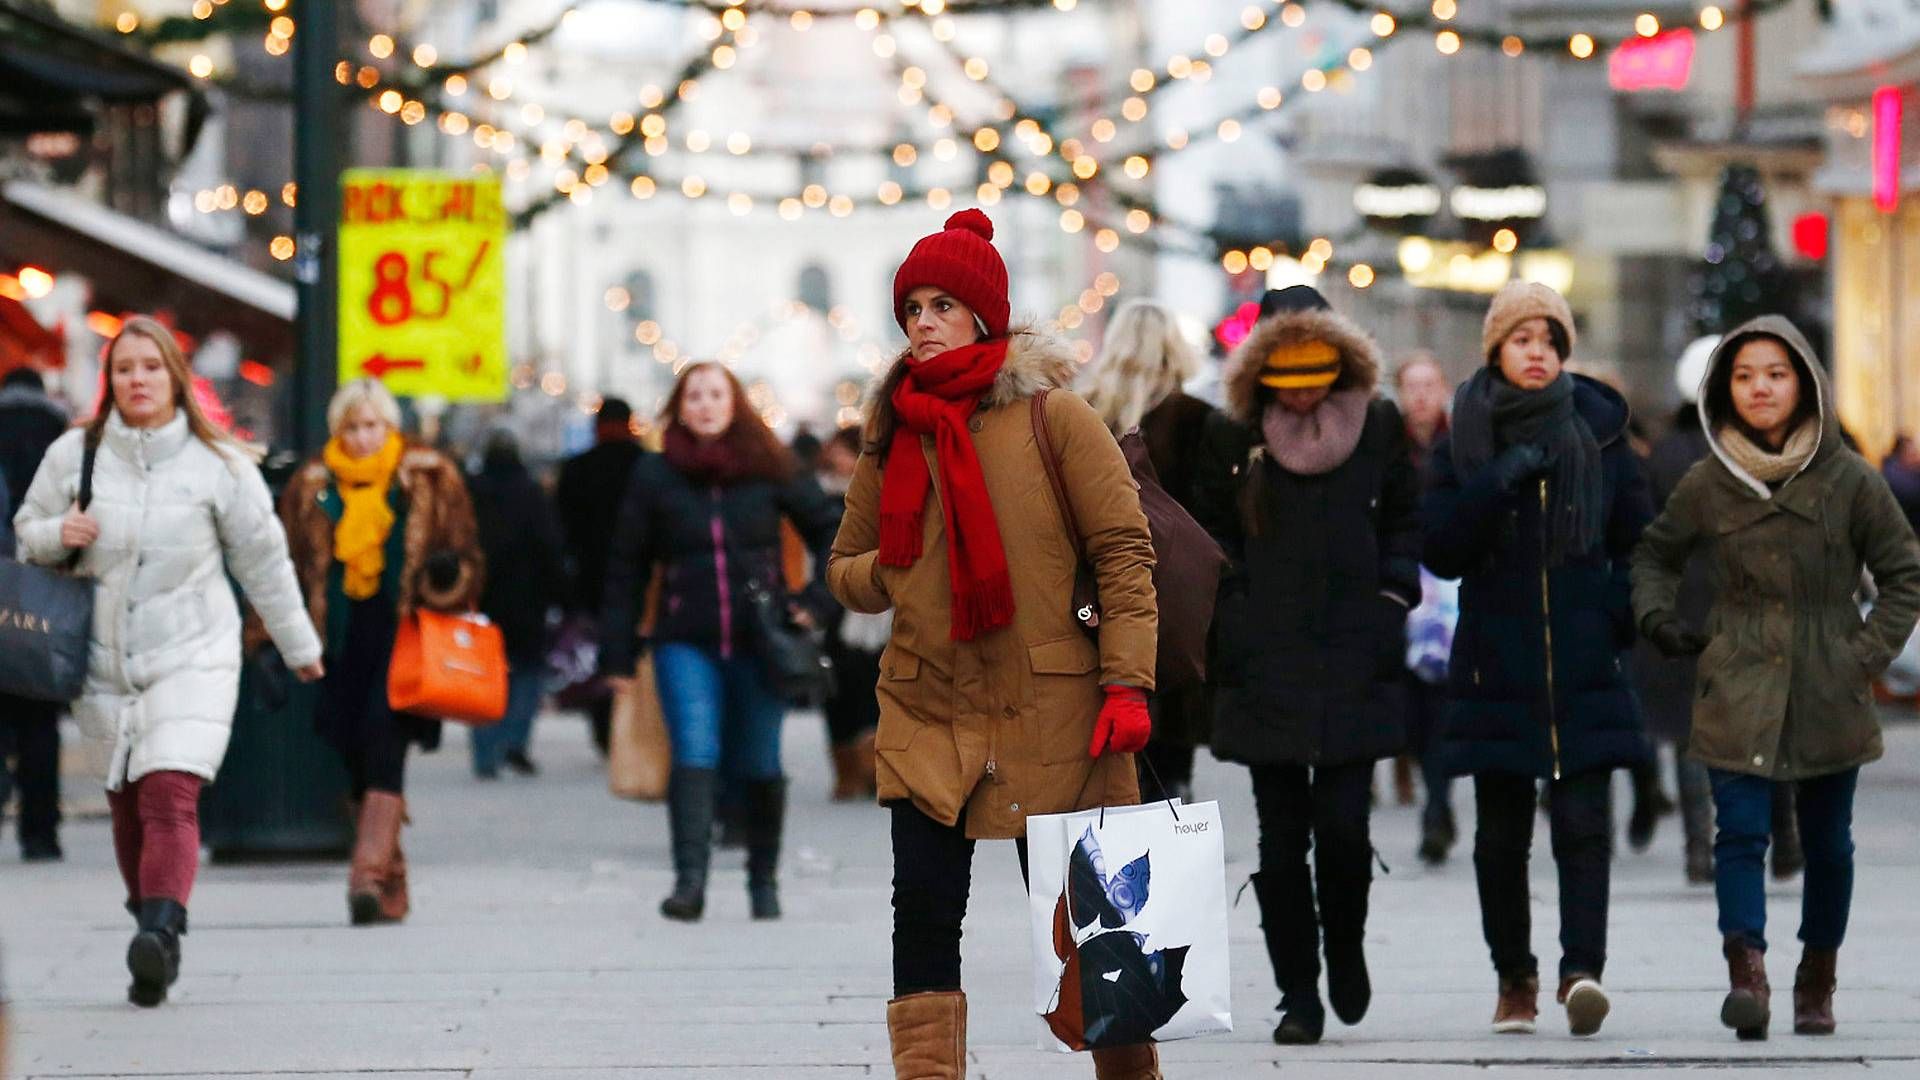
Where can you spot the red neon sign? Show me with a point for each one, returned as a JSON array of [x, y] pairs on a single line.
[[1661, 62], [1886, 148]]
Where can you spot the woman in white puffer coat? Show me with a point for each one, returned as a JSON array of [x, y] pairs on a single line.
[[176, 506]]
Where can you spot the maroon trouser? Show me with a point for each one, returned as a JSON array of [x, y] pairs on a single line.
[[156, 835]]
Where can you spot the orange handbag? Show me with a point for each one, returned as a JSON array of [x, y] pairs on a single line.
[[449, 667]]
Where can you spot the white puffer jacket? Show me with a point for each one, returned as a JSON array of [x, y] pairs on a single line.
[[175, 515]]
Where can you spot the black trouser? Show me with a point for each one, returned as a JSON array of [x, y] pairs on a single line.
[[1325, 811], [370, 737], [1580, 815], [32, 730], [932, 877], [1426, 702]]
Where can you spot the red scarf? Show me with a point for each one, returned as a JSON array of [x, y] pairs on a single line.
[[936, 398], [709, 462]]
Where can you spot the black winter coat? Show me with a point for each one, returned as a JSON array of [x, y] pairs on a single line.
[[1512, 711], [1311, 646], [712, 543], [527, 569], [29, 422], [588, 497]]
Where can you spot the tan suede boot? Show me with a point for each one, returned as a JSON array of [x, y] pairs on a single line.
[[394, 903], [367, 870], [1140, 1062], [846, 773], [929, 1035], [377, 882]]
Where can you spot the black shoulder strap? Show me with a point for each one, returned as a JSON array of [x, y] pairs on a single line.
[[92, 450], [86, 470]]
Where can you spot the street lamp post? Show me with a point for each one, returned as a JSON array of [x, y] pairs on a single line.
[[316, 158]]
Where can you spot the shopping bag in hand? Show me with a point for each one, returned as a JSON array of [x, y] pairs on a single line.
[[1129, 920]]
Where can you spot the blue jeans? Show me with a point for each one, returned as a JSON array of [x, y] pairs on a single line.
[[1743, 810], [491, 743], [720, 712]]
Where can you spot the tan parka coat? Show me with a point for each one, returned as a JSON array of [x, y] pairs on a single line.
[[998, 727], [1784, 687]]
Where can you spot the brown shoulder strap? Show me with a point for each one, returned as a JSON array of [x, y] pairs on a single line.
[[1045, 442]]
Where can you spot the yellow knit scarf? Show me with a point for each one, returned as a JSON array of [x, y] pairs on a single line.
[[360, 537]]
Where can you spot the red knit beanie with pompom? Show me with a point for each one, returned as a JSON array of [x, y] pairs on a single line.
[[962, 260]]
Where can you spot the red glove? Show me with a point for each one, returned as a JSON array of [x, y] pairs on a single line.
[[1123, 724]]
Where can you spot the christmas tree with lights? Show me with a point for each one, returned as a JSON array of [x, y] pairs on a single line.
[[1741, 277]]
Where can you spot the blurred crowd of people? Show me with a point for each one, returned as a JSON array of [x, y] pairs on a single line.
[[1504, 582]]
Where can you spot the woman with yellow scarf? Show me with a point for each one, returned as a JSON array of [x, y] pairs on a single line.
[[377, 528]]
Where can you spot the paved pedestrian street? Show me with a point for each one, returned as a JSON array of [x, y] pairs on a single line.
[[535, 951]]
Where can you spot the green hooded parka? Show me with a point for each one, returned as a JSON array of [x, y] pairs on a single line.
[[1784, 686]]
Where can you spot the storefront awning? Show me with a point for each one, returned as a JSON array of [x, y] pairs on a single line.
[[51, 72], [134, 266], [23, 340]]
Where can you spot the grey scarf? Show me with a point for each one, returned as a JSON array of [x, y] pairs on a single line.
[[1491, 414]]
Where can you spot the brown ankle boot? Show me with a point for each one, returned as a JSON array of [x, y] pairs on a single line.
[[1748, 1006], [1586, 1002], [865, 761], [377, 882], [1518, 1009], [929, 1035], [368, 869], [1813, 992], [1141, 1062], [846, 772], [394, 902]]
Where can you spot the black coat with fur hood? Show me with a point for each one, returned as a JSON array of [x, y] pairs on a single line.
[[1310, 627]]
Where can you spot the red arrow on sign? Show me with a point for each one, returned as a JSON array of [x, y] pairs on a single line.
[[379, 364]]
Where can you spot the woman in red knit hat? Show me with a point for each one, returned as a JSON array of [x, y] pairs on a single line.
[[994, 702]]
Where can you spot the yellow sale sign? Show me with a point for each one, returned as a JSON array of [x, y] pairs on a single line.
[[423, 285]]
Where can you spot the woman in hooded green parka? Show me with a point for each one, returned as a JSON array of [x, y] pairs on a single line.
[[1787, 518]]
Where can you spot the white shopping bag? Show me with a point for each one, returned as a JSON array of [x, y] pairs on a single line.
[[1129, 919]]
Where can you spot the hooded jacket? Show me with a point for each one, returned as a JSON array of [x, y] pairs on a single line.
[[1784, 687], [176, 517], [998, 727], [1536, 682], [1310, 625]]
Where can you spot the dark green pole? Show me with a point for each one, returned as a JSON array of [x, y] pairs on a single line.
[[317, 135]]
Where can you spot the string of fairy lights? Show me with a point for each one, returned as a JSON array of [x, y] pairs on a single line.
[[587, 155], [405, 94]]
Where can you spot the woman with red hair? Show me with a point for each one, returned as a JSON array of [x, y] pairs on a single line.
[[706, 514]]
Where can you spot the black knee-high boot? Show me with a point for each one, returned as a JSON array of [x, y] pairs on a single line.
[[690, 794], [1292, 932], [1343, 876], [766, 819]]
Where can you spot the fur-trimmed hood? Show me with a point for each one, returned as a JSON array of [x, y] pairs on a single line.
[[1036, 361], [1359, 357]]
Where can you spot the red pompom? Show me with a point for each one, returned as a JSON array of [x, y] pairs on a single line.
[[974, 222]]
